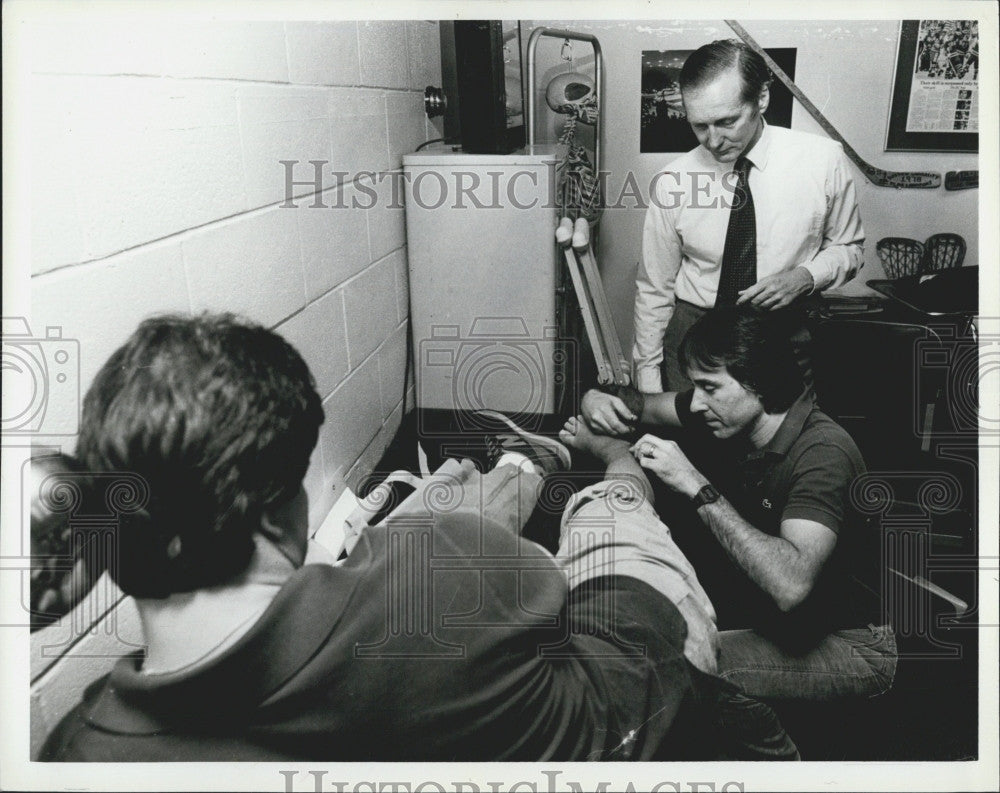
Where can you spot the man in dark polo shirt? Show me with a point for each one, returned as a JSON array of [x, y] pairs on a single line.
[[769, 478]]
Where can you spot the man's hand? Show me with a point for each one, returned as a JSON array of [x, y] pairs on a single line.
[[778, 290], [606, 414], [669, 463]]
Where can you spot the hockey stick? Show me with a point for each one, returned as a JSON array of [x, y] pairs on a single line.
[[961, 180], [616, 360], [604, 373], [877, 176]]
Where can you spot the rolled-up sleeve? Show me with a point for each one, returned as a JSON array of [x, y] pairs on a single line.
[[654, 295], [841, 250]]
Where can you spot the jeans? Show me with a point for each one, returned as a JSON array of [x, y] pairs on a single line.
[[847, 663], [853, 662]]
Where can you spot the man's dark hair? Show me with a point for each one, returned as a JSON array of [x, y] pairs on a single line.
[[755, 348], [219, 417], [709, 61]]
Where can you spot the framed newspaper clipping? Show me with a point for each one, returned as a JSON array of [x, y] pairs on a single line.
[[935, 98]]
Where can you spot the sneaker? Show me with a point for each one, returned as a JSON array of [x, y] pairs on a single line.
[[547, 454]]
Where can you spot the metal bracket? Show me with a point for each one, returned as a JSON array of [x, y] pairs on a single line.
[[536, 34]]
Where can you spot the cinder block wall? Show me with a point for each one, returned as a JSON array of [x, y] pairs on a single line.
[[157, 186]]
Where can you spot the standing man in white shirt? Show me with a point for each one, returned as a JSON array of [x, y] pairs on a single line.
[[755, 214]]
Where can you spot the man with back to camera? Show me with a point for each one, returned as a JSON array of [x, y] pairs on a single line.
[[787, 589], [255, 652], [755, 214]]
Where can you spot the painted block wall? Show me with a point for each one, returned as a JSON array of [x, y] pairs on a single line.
[[156, 186], [844, 66]]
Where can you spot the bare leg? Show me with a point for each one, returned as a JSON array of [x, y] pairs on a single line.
[[613, 452]]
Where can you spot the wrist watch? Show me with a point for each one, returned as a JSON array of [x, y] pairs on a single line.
[[707, 495]]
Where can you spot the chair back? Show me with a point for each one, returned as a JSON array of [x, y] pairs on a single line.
[[900, 256], [942, 252]]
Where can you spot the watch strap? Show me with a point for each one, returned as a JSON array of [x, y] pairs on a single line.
[[707, 495]]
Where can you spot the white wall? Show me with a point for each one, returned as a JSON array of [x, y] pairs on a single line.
[[156, 186], [844, 67]]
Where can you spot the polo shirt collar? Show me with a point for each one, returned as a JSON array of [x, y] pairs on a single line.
[[789, 430]]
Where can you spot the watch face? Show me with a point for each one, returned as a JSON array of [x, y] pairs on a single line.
[[706, 495]]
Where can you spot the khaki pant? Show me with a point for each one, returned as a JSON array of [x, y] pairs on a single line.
[[607, 529]]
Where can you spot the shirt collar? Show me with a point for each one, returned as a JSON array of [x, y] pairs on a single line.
[[290, 632], [760, 152], [758, 155], [789, 430]]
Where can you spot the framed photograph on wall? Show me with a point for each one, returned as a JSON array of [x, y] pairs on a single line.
[[935, 96], [663, 125]]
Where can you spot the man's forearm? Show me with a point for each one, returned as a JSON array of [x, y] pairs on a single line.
[[653, 409], [834, 266], [630, 395], [772, 563], [654, 308], [655, 281], [841, 253], [647, 347]]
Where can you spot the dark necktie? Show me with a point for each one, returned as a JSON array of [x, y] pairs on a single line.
[[739, 257]]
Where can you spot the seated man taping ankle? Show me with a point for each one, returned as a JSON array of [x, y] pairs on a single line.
[[776, 502]]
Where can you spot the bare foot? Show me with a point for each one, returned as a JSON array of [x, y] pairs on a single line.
[[577, 435]]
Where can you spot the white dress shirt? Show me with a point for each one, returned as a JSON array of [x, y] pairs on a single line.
[[807, 215]]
